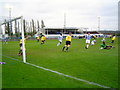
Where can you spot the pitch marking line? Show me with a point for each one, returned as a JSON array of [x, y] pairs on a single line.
[[78, 79]]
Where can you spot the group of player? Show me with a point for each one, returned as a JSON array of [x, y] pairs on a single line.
[[88, 38], [105, 46], [42, 37], [68, 39]]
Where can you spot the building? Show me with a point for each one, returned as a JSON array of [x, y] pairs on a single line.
[[109, 32], [66, 30]]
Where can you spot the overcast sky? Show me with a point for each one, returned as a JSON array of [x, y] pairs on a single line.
[[79, 13]]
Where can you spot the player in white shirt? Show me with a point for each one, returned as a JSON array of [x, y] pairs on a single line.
[[103, 39], [88, 38], [60, 39], [93, 42]]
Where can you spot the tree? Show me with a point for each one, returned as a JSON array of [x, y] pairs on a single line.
[[42, 24], [8, 29], [38, 25], [33, 26], [16, 26], [24, 26]]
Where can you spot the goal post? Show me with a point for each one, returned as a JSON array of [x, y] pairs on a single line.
[[23, 43]]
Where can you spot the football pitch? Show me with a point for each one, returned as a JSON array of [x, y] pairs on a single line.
[[49, 67]]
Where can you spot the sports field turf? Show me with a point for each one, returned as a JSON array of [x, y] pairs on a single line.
[[93, 64]]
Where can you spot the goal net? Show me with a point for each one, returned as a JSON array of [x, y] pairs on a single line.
[[12, 34]]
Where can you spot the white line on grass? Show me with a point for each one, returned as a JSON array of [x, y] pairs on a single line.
[[92, 83]]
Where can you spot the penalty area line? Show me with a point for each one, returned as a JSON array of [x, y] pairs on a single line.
[[72, 77]]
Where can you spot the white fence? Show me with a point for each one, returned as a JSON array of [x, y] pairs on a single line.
[[74, 35]]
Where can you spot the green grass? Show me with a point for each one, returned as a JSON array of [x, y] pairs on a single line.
[[0, 65], [93, 64]]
